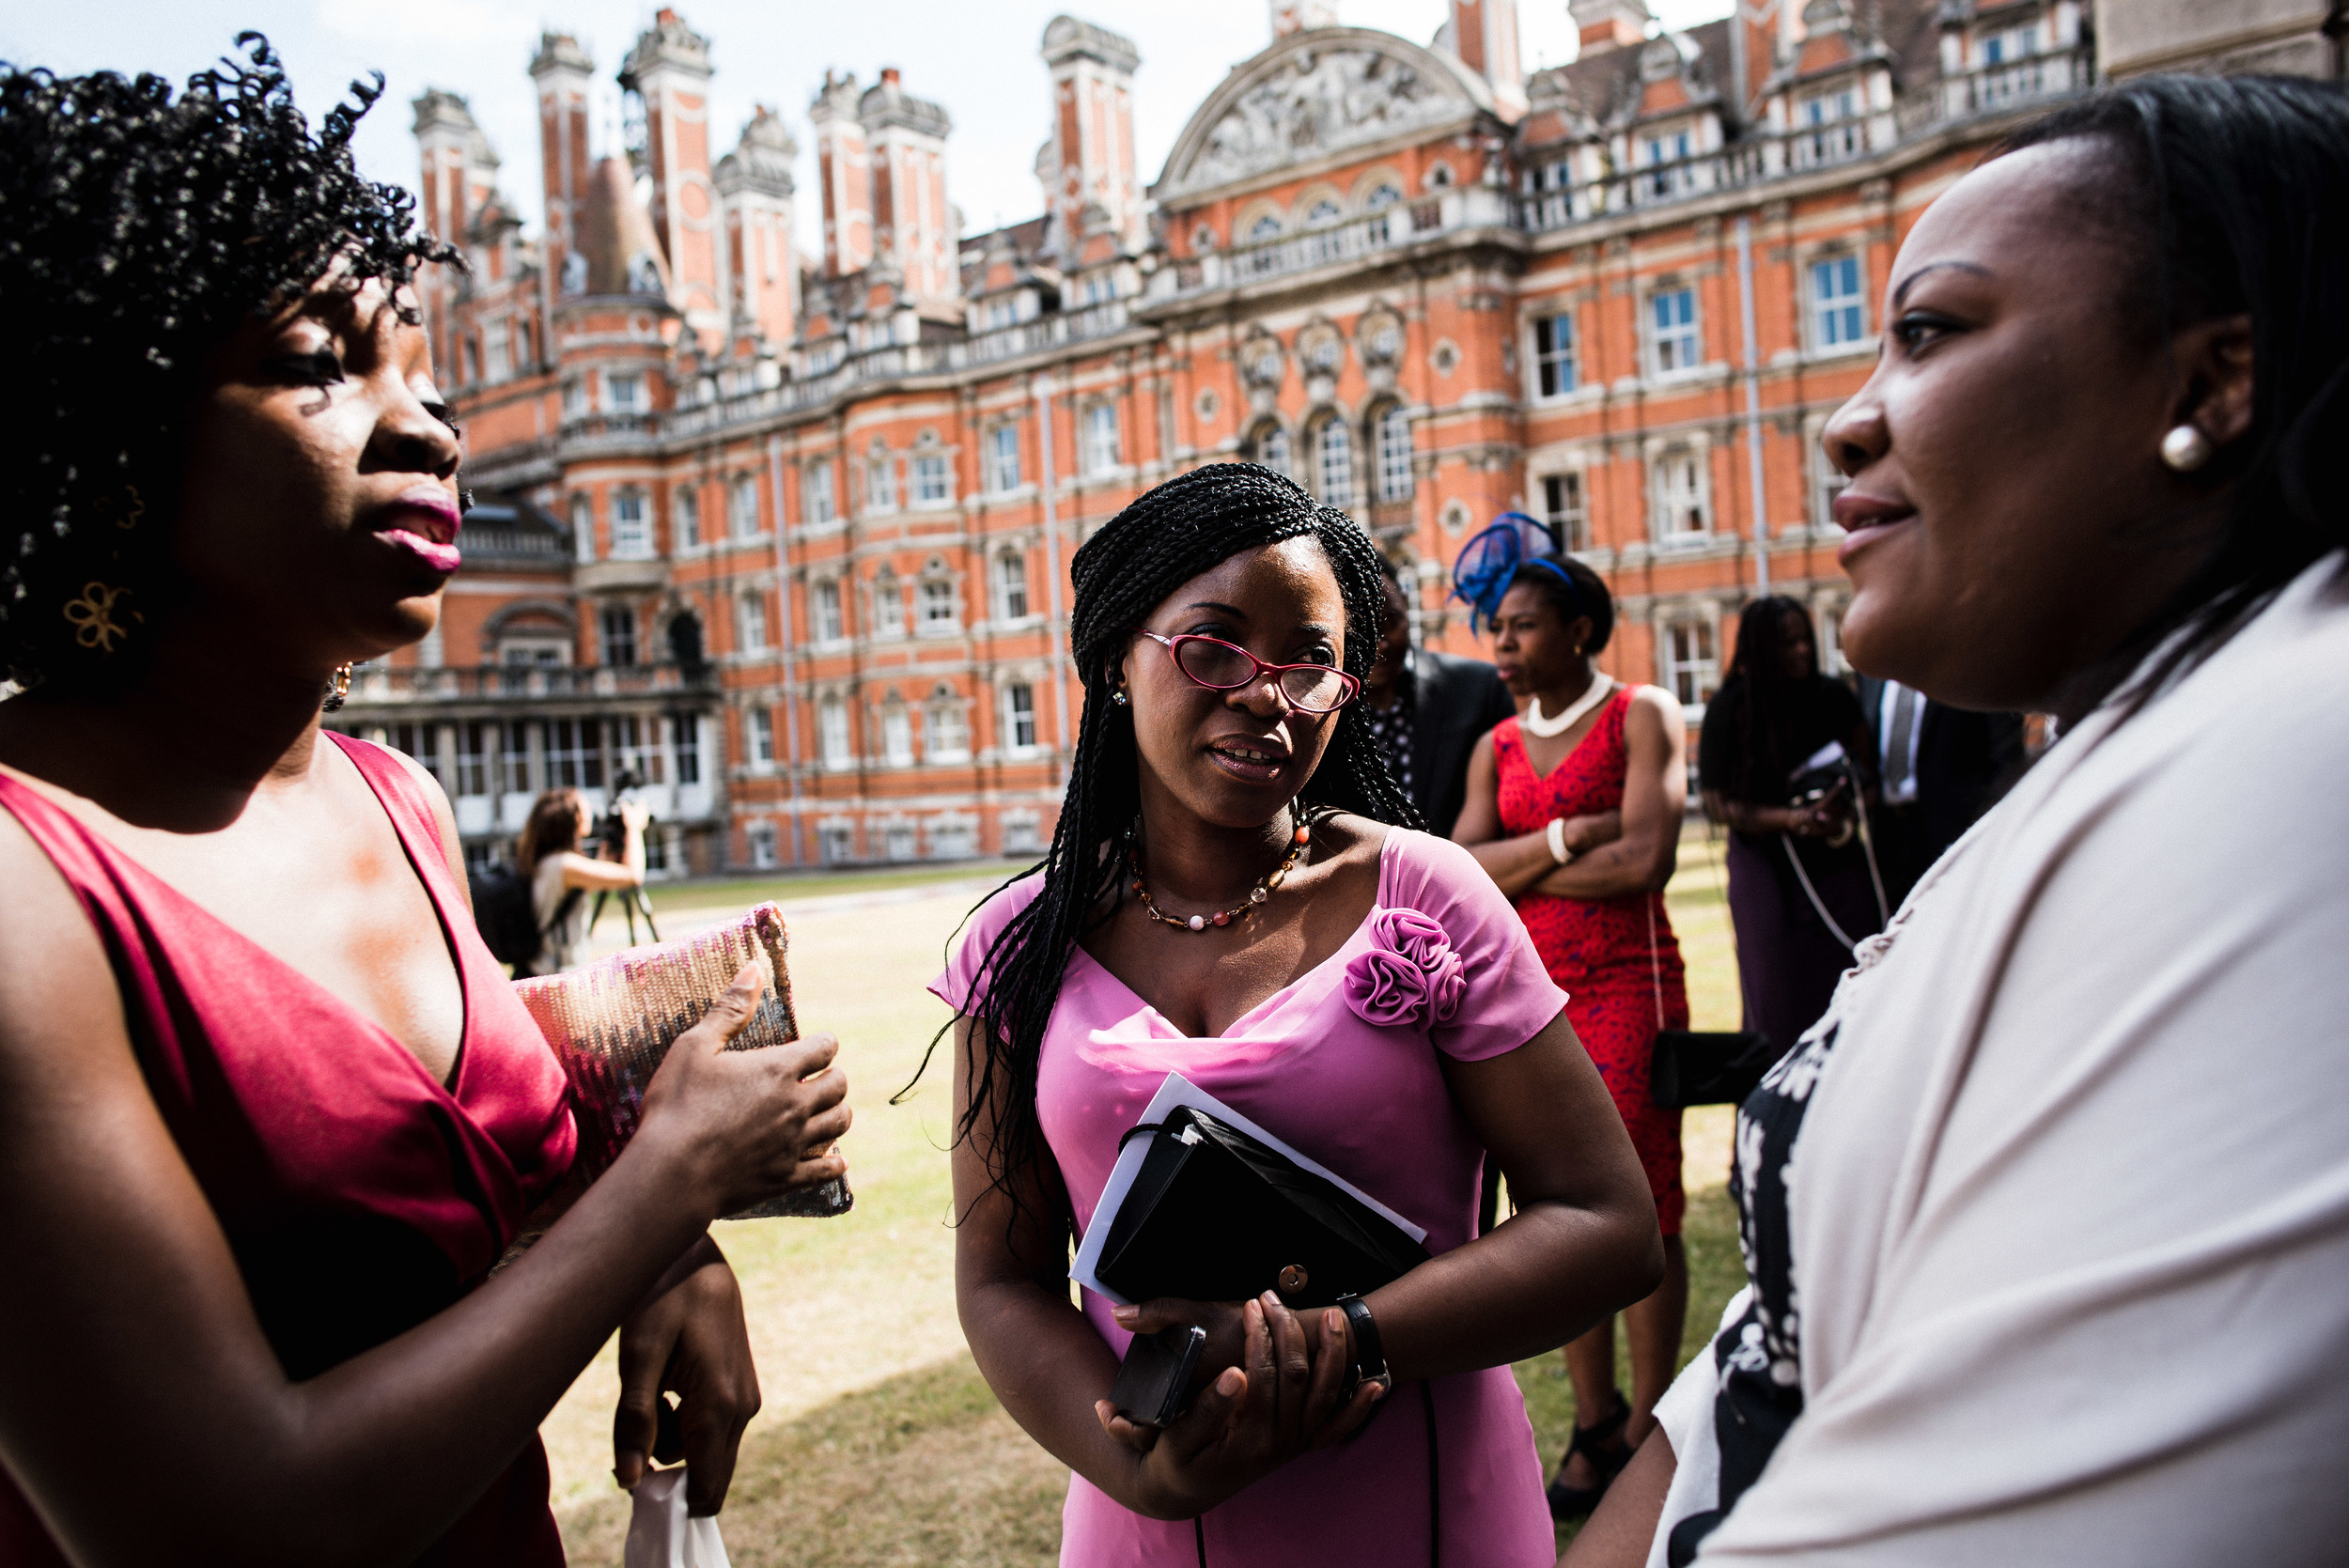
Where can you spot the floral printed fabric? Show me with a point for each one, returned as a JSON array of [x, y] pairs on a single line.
[[1760, 1356]]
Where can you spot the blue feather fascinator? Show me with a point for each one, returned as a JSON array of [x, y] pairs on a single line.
[[1488, 563]]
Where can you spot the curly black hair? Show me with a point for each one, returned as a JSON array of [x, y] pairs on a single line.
[[141, 230], [1165, 538]]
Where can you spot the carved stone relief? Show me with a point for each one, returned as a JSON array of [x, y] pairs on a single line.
[[1317, 101]]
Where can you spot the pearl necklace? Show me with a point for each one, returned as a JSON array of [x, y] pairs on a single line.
[[1265, 885], [1535, 723]]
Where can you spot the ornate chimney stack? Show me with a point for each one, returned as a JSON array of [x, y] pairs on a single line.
[[669, 70], [1295, 16], [460, 175], [1089, 160], [1484, 36], [563, 74], [754, 190], [843, 176], [915, 227], [1609, 23]]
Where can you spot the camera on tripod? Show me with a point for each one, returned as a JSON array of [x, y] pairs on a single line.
[[625, 781]]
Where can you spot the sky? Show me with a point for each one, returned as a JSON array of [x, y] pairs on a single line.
[[978, 59]]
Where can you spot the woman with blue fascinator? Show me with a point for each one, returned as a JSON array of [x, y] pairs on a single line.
[[1574, 807]]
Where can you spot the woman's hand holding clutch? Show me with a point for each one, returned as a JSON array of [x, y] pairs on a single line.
[[1282, 1399], [746, 1124]]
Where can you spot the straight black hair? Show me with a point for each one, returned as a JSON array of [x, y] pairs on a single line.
[[1761, 695], [2232, 199]]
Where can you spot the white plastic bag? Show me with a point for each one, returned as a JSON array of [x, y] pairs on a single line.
[[659, 1532]]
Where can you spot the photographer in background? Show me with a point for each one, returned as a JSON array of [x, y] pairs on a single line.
[[1800, 892], [560, 876]]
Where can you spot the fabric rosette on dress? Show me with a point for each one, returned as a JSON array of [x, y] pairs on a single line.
[[1409, 977]]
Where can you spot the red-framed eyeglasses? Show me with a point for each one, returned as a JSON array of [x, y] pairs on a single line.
[[1220, 666]]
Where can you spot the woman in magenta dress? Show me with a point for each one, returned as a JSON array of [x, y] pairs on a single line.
[[1229, 896], [1575, 809], [269, 1110]]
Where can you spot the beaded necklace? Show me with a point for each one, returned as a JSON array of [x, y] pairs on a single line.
[[1265, 885]]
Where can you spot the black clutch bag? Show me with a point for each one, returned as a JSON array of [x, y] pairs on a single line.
[[1694, 1069], [1215, 1215]]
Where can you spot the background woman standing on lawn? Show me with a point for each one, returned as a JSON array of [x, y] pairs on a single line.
[[1581, 827], [1774, 712], [269, 1110], [1227, 897]]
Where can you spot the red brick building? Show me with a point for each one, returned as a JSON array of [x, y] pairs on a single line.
[[789, 535]]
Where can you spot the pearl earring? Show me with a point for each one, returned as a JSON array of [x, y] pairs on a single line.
[[2185, 448]]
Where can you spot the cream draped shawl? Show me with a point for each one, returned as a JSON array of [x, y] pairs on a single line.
[[2069, 1207]]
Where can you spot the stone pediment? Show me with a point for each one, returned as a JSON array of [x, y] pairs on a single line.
[[1314, 94]]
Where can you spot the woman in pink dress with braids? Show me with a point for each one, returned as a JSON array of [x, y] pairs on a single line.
[[1575, 809]]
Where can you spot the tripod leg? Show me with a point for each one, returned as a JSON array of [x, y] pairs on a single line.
[[594, 915]]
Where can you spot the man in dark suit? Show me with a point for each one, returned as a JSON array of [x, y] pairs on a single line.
[[1427, 710], [1942, 768]]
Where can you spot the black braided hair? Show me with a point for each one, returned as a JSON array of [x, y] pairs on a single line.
[[140, 230], [1167, 536]]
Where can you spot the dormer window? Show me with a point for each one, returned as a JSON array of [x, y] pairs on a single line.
[[1002, 313], [2007, 45], [1667, 154], [1831, 129]]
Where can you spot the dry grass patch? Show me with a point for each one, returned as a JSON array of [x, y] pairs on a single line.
[[924, 1468]]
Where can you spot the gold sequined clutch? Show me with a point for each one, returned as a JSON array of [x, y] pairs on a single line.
[[611, 1021]]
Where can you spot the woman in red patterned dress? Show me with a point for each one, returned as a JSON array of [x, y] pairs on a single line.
[[1575, 809]]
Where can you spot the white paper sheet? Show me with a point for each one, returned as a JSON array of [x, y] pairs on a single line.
[[1179, 1091]]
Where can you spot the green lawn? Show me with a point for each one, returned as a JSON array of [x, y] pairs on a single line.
[[711, 893], [879, 1443]]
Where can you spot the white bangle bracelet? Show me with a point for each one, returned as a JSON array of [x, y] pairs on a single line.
[[1557, 850]]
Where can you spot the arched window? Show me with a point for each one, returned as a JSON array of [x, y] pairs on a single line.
[[946, 732], [897, 732], [1011, 586], [1381, 198], [889, 605], [1324, 213], [1270, 446], [1265, 227], [1394, 454], [1333, 463]]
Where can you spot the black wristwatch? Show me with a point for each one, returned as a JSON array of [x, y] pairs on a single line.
[[1370, 1356]]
